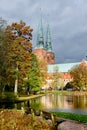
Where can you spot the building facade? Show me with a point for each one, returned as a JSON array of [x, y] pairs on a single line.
[[43, 51]]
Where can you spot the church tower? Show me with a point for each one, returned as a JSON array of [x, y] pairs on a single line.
[[50, 54], [44, 51], [39, 50], [40, 38]]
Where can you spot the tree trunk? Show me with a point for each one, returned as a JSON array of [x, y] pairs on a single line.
[[16, 86], [16, 82]]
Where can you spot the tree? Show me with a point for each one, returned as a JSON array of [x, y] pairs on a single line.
[[37, 74], [43, 71], [79, 75], [56, 78], [33, 83], [16, 51], [3, 39]]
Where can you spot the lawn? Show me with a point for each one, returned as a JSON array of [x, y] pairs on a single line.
[[72, 116]]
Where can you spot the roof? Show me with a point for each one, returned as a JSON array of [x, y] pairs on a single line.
[[65, 67]]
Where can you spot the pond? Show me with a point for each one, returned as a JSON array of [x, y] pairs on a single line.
[[55, 102], [65, 103]]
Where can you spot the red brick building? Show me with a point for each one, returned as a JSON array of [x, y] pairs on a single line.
[[43, 51]]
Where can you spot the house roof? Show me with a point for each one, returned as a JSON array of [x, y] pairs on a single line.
[[65, 67]]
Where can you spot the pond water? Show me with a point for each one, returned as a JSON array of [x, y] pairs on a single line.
[[65, 103], [55, 102]]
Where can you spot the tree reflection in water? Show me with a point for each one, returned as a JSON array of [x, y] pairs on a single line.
[[55, 102]]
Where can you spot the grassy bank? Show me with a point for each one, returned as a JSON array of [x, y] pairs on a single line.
[[72, 116], [77, 117], [52, 92], [68, 92], [29, 97]]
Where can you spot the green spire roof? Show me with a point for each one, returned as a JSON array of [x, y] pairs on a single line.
[[40, 38], [48, 40]]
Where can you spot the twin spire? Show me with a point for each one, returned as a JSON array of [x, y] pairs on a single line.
[[40, 38], [48, 40]]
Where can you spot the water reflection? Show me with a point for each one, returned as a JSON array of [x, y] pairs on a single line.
[[68, 103], [55, 102]]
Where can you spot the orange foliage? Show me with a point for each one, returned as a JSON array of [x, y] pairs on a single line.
[[19, 49]]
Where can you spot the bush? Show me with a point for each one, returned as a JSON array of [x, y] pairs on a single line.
[[36, 89], [8, 97], [14, 120]]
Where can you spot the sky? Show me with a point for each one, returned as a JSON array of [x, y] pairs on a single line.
[[67, 20]]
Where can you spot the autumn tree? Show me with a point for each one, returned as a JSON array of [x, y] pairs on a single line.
[[56, 76], [16, 52], [3, 39], [43, 71], [79, 75]]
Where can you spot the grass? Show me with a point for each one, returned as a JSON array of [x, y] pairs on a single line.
[[51, 92], [29, 97], [41, 94], [72, 116], [68, 92]]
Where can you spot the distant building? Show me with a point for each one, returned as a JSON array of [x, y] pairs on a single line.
[[43, 50]]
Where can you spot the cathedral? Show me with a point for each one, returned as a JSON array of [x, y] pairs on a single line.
[[43, 50]]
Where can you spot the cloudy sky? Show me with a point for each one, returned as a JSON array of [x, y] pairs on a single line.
[[67, 20]]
